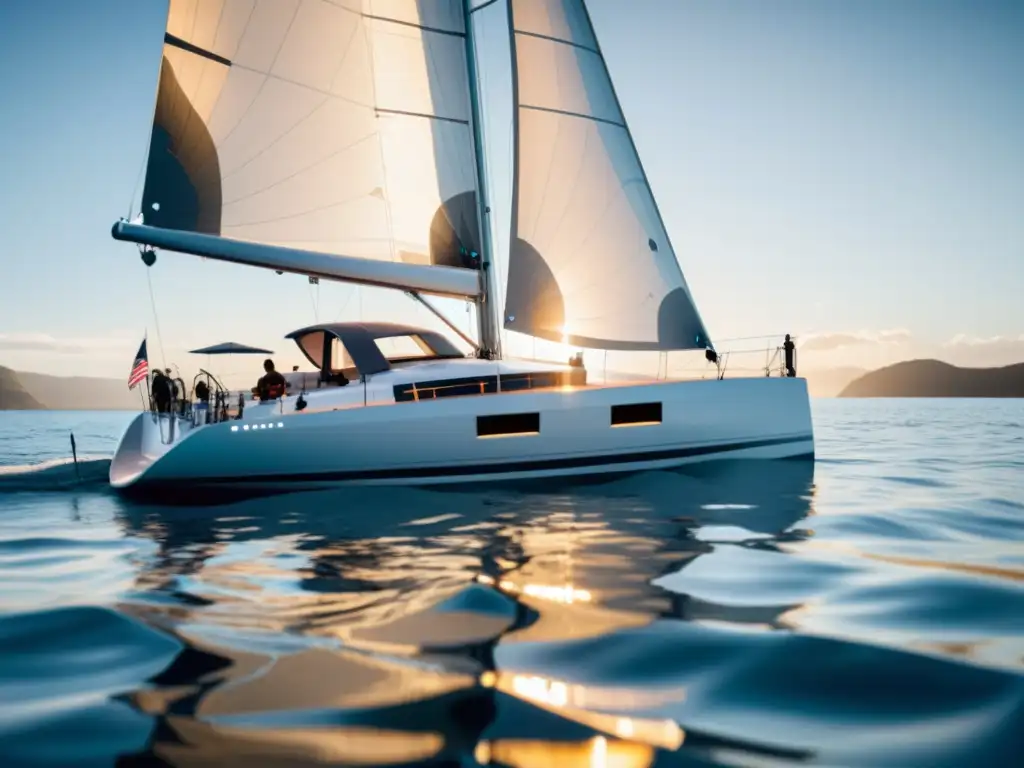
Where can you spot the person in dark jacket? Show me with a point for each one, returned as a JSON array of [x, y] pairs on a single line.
[[789, 347], [202, 392], [172, 383], [271, 384], [162, 390]]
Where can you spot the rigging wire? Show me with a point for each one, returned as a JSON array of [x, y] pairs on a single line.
[[138, 184], [348, 297], [385, 198], [156, 319], [315, 301], [756, 338]]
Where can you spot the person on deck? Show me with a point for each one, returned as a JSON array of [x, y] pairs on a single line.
[[161, 391], [272, 384], [201, 408], [202, 392], [789, 347], [172, 383]]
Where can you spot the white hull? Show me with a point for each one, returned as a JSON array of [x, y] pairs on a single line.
[[433, 442]]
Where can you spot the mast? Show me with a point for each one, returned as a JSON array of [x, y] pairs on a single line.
[[487, 317]]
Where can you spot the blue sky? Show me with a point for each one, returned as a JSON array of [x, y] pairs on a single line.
[[852, 172]]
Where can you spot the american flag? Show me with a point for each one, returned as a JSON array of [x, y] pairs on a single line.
[[140, 368]]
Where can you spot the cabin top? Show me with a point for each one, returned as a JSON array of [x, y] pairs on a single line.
[[370, 347]]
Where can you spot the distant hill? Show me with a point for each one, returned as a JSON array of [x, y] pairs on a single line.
[[13, 396], [933, 378], [79, 393]]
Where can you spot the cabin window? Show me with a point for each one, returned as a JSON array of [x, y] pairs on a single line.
[[340, 358], [399, 347], [312, 345], [636, 414], [508, 425]]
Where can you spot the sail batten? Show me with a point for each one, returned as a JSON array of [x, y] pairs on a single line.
[[567, 113], [177, 42], [425, 28], [539, 36], [343, 125], [590, 261], [405, 113]]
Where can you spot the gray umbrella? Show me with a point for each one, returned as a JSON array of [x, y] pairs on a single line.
[[231, 348]]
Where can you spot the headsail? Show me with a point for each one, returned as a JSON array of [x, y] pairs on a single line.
[[328, 126], [590, 262]]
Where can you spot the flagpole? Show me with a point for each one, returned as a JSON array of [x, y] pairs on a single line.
[[148, 405]]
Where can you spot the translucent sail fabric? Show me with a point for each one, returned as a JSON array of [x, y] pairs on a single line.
[[590, 262], [335, 126]]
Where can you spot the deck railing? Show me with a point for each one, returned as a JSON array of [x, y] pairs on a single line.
[[752, 357]]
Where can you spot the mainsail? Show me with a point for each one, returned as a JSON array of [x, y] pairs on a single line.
[[590, 262], [327, 127]]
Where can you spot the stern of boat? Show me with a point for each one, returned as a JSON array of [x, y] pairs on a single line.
[[148, 438]]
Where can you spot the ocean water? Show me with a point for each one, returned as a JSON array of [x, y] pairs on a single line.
[[866, 610]]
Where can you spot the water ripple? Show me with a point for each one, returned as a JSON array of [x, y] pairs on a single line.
[[864, 611]]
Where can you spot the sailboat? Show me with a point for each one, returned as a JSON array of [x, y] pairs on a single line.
[[341, 140]]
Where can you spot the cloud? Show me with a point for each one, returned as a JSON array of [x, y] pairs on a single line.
[[984, 351], [823, 342], [42, 342], [965, 340]]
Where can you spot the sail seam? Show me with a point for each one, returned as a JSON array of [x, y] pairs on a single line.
[[385, 197], [568, 113], [177, 42], [271, 76], [202, 75], [382, 111], [318, 162], [299, 215], [551, 39], [266, 76], [436, 30], [228, 174], [248, 20]]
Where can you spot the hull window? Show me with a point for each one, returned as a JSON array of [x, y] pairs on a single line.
[[508, 424], [636, 414]]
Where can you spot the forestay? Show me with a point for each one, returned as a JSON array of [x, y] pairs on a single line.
[[590, 262], [333, 126]]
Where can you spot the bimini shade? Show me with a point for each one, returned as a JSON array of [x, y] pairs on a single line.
[[231, 348]]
